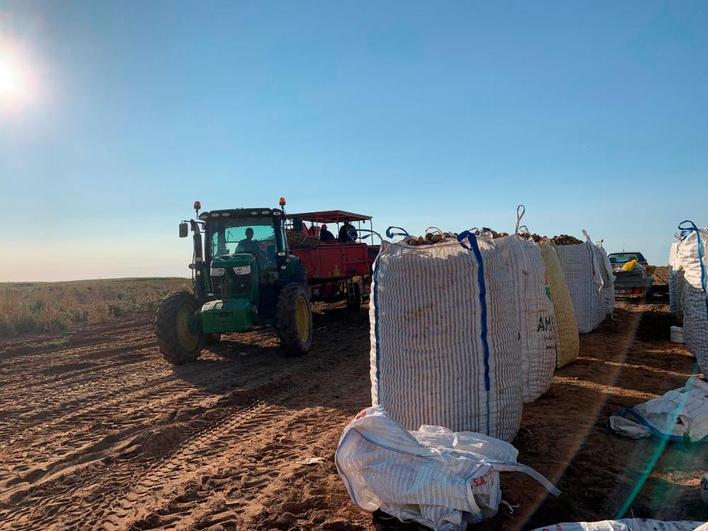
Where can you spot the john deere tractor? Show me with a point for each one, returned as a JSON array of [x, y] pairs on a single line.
[[243, 277]]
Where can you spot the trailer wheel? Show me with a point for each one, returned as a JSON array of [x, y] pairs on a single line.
[[177, 328], [354, 303], [294, 320]]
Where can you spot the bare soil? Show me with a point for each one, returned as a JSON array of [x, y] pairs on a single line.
[[97, 431]]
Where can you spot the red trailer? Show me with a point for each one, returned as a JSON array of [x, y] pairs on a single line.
[[335, 270]]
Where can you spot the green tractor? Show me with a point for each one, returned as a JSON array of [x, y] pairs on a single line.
[[243, 277]]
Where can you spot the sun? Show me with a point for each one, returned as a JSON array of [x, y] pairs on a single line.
[[10, 79], [17, 86]]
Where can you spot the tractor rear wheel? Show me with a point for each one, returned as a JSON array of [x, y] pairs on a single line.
[[295, 319], [177, 328]]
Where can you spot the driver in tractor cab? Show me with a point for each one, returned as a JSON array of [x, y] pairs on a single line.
[[248, 245]]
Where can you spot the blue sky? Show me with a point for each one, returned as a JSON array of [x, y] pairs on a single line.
[[594, 115]]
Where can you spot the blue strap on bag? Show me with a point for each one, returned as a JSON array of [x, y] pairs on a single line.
[[474, 247]]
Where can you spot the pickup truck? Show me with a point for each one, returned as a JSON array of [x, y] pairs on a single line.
[[632, 279]]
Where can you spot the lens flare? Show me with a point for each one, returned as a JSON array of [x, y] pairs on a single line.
[[18, 86]]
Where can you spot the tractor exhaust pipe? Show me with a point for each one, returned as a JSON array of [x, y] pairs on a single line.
[[197, 239], [202, 282]]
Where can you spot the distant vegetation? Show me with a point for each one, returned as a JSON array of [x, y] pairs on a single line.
[[30, 307]]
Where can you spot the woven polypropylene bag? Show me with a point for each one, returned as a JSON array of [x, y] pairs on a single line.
[[695, 324], [445, 339], [607, 282], [433, 476], [607, 290], [534, 311], [692, 257], [673, 277], [568, 339], [628, 524], [581, 270], [680, 287], [693, 263]]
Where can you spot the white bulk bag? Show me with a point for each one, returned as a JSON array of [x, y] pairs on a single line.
[[433, 476], [676, 415], [695, 324], [534, 312], [607, 291], [567, 328], [444, 337], [628, 524], [680, 288], [692, 254], [673, 276], [694, 265], [581, 267]]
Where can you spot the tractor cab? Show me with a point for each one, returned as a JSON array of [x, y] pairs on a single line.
[[243, 276], [256, 232], [244, 250]]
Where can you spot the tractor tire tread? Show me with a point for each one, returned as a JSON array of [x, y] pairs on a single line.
[[165, 330], [286, 321]]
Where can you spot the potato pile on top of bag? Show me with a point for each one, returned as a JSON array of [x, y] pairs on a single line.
[[430, 238], [535, 237], [490, 232], [565, 239]]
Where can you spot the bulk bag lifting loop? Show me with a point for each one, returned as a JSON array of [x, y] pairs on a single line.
[[520, 211]]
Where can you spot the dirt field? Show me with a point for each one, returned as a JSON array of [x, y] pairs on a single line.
[[96, 431]]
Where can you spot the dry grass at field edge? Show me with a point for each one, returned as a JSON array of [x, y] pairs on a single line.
[[35, 307]]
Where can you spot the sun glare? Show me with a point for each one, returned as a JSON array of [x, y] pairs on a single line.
[[10, 80], [17, 87]]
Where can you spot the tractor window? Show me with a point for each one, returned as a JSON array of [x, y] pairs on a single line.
[[232, 236]]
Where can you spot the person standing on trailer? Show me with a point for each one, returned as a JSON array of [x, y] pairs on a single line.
[[347, 232], [325, 234], [352, 233]]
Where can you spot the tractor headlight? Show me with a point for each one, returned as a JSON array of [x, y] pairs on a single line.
[[217, 271], [242, 270]]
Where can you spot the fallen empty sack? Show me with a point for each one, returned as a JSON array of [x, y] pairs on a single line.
[[433, 476]]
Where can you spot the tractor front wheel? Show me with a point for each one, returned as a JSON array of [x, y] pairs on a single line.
[[295, 319], [177, 328]]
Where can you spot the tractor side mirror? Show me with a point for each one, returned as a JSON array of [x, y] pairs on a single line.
[[183, 230]]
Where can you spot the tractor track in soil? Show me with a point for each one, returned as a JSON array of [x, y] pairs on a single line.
[[98, 432]]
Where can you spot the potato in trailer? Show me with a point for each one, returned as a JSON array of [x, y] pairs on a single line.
[[335, 270]]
